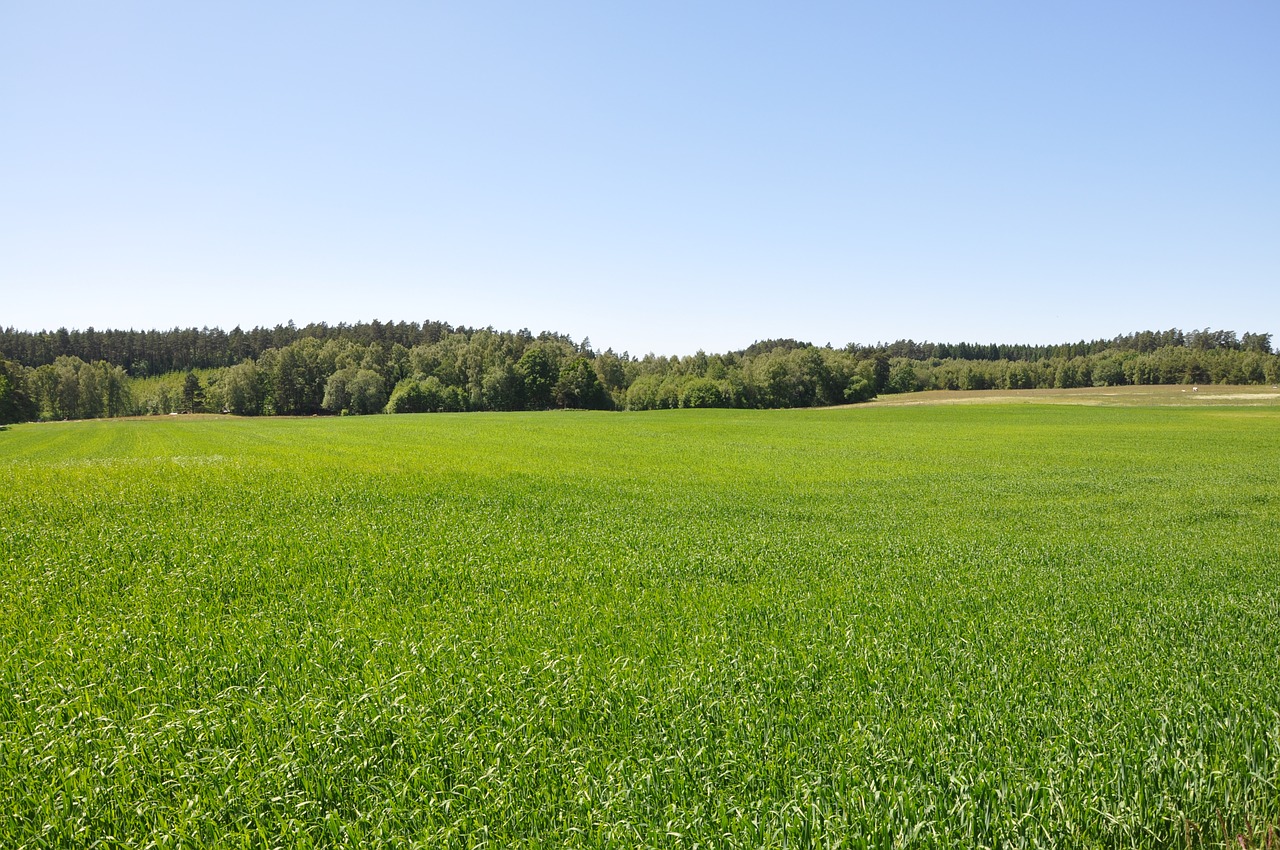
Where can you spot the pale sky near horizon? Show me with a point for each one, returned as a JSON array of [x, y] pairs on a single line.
[[657, 176]]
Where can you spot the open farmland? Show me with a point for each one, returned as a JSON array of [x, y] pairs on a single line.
[[1164, 395], [952, 626]]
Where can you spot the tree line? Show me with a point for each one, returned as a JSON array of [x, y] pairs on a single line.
[[1107, 368], [1142, 342], [158, 352], [434, 367]]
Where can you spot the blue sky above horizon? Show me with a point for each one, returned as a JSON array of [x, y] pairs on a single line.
[[657, 176]]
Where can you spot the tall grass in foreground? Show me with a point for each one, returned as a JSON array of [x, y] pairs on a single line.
[[950, 627]]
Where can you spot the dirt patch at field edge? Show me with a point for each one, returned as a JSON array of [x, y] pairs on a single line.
[[1176, 396]]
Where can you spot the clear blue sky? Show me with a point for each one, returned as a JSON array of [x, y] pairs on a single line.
[[656, 176]]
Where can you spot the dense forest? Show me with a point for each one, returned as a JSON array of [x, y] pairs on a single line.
[[406, 367]]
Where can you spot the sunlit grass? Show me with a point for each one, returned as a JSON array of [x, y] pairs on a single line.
[[948, 626]]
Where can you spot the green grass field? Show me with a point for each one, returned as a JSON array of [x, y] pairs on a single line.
[[952, 626]]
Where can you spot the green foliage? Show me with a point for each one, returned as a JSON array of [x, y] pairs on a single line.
[[310, 370], [702, 392], [158, 394], [540, 370], [69, 388], [879, 373], [859, 389], [502, 388], [355, 391], [425, 395], [577, 386], [368, 393], [699, 628], [298, 378], [902, 378], [242, 391], [192, 393], [16, 404]]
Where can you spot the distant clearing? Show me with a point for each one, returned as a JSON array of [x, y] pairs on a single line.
[[1141, 396]]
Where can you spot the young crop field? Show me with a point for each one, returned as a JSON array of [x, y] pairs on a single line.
[[998, 625]]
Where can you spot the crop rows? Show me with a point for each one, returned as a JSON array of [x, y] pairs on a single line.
[[950, 627]]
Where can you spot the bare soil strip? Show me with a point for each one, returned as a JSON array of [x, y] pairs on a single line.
[[1197, 395]]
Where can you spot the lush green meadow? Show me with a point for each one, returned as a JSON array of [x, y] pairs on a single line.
[[964, 626]]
